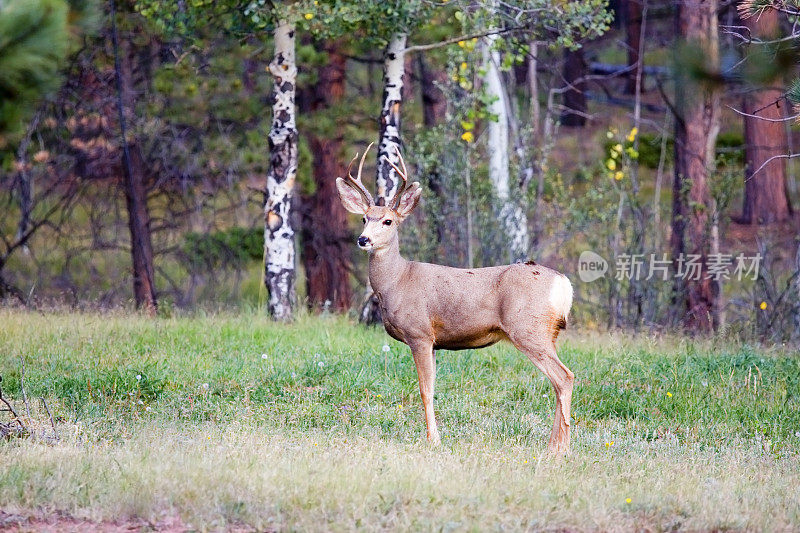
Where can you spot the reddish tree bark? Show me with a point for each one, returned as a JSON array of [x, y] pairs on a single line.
[[574, 98], [133, 167], [434, 103], [765, 198], [696, 128], [633, 32], [326, 239]]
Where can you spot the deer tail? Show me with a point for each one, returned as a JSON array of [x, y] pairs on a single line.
[[561, 300]]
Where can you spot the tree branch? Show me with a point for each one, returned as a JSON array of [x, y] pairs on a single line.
[[768, 161], [446, 42], [785, 119]]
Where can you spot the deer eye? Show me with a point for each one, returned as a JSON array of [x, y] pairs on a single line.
[[387, 222], [364, 220]]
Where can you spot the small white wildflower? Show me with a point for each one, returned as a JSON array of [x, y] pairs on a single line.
[[294, 374], [147, 408], [321, 364], [138, 377], [705, 383], [797, 434], [386, 348], [204, 386], [264, 356], [141, 402]]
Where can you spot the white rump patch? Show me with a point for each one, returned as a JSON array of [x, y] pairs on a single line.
[[561, 296]]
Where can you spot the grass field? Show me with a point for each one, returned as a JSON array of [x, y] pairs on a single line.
[[228, 421]]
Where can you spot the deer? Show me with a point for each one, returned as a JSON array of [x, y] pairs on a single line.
[[430, 307]]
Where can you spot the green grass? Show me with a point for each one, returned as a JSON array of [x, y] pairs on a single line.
[[232, 420]]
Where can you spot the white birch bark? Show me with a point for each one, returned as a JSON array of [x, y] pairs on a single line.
[[389, 142], [386, 179], [512, 216], [279, 249]]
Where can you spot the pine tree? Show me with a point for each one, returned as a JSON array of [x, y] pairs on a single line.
[[33, 44]]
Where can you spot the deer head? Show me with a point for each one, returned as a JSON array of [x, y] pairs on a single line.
[[380, 222]]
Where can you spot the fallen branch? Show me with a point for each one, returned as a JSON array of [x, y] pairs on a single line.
[[14, 428]]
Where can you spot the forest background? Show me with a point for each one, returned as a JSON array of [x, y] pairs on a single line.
[[162, 154]]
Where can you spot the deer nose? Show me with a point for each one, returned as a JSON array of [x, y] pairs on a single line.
[[363, 241]]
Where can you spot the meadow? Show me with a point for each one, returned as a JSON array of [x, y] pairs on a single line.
[[230, 421]]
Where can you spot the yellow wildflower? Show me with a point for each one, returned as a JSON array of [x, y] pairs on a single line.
[[609, 134], [309, 16], [611, 164], [669, 394], [618, 148], [463, 66], [461, 44], [627, 500], [632, 135], [618, 175], [763, 306], [468, 136]]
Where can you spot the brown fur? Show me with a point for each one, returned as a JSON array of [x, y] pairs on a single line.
[[431, 306]]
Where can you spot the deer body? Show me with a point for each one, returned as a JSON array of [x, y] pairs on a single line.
[[456, 308], [429, 306]]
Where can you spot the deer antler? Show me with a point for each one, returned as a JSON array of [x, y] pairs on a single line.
[[401, 188], [356, 183]]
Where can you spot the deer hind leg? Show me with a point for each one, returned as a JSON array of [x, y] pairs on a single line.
[[540, 349], [425, 361]]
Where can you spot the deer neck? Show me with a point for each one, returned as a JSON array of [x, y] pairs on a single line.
[[386, 267]]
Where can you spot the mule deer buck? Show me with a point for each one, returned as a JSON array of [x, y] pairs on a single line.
[[433, 306]]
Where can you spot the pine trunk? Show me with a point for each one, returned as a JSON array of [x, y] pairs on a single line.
[[633, 33], [696, 128], [765, 198], [133, 170], [512, 217], [574, 113], [325, 235], [434, 103], [279, 248]]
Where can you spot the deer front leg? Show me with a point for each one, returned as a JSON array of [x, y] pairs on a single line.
[[425, 361]]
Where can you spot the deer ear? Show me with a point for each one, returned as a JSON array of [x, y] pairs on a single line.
[[351, 198], [409, 200]]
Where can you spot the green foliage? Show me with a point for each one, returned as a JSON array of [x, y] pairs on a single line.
[[374, 22], [33, 44], [231, 248], [649, 149], [193, 19], [729, 149]]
